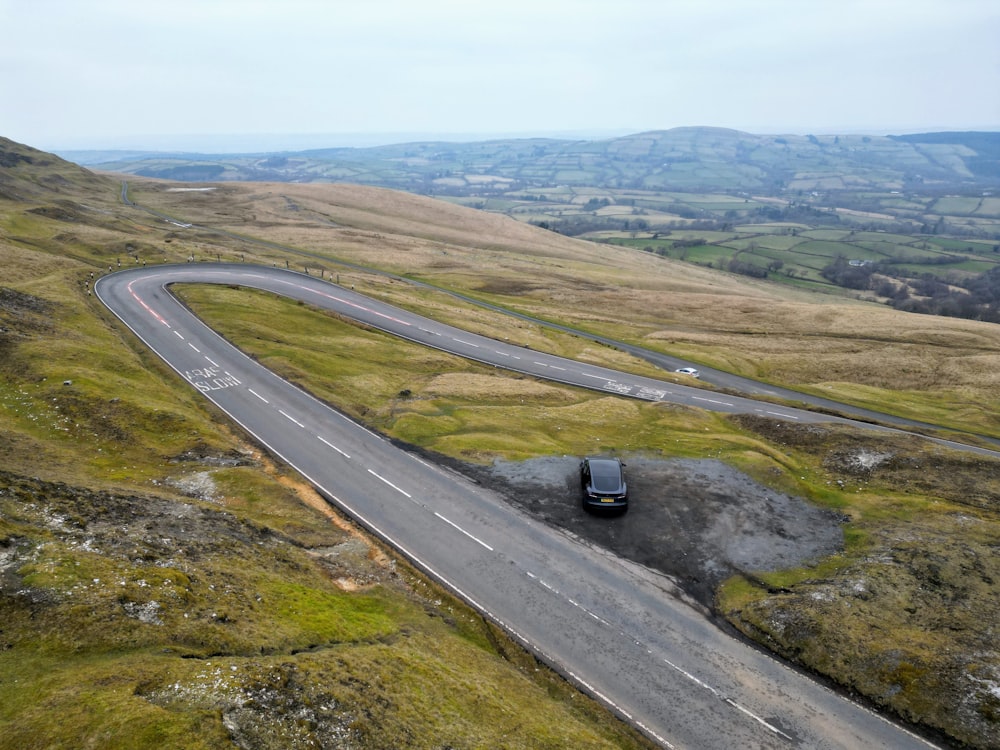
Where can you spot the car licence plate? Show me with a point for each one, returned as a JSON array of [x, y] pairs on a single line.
[[607, 499]]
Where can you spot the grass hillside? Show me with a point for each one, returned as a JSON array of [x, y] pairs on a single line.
[[26, 174], [163, 583], [127, 500]]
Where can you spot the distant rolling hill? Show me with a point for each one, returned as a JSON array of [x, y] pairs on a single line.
[[683, 159]]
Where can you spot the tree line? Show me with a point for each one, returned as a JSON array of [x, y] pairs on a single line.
[[975, 298]]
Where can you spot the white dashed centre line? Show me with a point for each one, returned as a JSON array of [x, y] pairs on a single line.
[[711, 401], [258, 395], [289, 416], [757, 718], [324, 440], [194, 347], [402, 491], [779, 414], [471, 536]]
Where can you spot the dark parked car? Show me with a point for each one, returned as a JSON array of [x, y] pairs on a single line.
[[602, 483]]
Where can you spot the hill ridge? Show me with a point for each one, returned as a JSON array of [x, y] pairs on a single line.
[[688, 158]]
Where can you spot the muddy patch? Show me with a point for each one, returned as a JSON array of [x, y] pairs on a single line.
[[698, 521]]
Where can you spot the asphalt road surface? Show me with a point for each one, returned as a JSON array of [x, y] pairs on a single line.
[[622, 633]]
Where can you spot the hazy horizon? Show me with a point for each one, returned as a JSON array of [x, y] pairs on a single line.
[[191, 75], [291, 142]]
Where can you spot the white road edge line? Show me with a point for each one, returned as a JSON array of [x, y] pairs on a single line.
[[602, 696]]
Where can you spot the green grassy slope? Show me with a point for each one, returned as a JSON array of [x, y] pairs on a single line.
[[144, 496], [162, 583]]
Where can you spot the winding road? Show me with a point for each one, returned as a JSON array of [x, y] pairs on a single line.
[[623, 633]]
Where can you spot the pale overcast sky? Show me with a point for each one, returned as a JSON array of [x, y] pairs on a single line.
[[272, 74]]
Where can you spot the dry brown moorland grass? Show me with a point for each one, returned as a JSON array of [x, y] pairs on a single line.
[[922, 366], [473, 386]]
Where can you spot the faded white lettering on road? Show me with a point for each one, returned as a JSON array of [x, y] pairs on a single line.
[[617, 387], [652, 394], [209, 379]]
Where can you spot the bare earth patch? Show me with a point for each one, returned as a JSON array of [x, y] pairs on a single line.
[[697, 520]]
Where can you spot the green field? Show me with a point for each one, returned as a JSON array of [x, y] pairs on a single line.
[[803, 253]]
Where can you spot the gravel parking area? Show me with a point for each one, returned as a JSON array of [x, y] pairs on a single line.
[[697, 520]]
